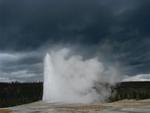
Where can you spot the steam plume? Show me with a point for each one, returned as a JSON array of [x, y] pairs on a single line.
[[72, 79]]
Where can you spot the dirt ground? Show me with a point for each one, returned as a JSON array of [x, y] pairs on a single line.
[[5, 110], [123, 106]]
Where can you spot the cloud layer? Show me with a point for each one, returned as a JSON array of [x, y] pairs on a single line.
[[140, 77], [117, 30]]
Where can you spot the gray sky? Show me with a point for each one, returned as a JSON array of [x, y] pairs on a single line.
[[117, 29]]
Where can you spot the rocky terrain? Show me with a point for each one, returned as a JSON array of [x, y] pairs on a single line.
[[123, 106]]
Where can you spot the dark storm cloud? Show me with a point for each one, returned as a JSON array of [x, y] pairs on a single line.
[[28, 24], [118, 29], [137, 19]]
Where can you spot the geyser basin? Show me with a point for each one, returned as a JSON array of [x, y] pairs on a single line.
[[70, 79]]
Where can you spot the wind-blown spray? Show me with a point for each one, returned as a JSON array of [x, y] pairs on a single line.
[[72, 79]]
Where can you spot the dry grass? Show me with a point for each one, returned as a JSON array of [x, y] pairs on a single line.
[[129, 103], [5, 111], [81, 108]]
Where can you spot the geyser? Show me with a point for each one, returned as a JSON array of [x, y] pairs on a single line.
[[72, 79]]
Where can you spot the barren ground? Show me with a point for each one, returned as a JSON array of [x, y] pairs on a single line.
[[124, 106]]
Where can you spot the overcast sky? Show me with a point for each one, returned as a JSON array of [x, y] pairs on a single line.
[[119, 30]]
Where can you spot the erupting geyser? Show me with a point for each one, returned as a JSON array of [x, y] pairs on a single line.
[[72, 79]]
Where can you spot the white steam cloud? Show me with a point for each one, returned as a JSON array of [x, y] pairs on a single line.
[[73, 79]]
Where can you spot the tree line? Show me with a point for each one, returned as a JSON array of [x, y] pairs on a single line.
[[130, 90], [12, 94]]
